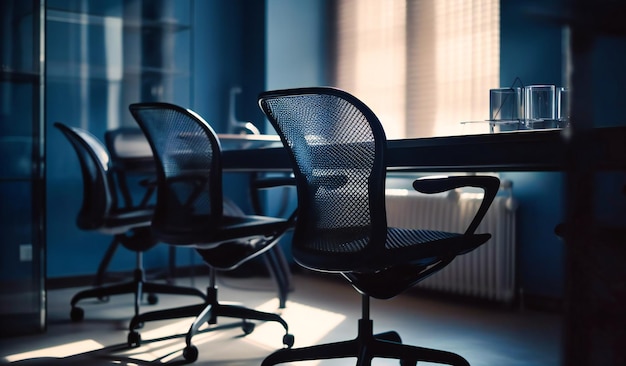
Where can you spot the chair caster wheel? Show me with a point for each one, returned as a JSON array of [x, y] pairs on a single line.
[[134, 339], [190, 353], [247, 327], [77, 314], [288, 340], [153, 299]]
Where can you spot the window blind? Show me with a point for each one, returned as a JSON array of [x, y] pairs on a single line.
[[423, 66]]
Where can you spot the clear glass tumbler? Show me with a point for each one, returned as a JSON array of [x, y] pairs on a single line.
[[540, 106]]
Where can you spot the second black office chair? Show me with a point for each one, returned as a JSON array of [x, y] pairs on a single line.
[[338, 146], [190, 212], [129, 226], [127, 147]]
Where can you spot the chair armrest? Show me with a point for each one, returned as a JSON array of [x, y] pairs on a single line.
[[489, 185]]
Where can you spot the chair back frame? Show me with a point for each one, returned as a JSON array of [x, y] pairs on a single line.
[[189, 172], [99, 196], [332, 162]]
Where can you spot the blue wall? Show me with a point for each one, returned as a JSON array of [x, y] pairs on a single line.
[[531, 49], [296, 43]]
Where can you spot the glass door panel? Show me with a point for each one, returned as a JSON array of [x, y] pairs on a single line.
[[22, 244]]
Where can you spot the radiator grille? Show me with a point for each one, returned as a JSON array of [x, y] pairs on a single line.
[[487, 272]]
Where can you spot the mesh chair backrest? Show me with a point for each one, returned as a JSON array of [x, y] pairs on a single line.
[[337, 145], [189, 175], [99, 196]]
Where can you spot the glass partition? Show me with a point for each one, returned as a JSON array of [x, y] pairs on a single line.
[[22, 243], [103, 55]]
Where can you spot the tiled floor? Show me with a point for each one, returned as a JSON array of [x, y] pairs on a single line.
[[318, 310]]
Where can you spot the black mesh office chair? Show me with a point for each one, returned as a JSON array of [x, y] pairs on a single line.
[[190, 211], [337, 146], [127, 147], [118, 172], [129, 226]]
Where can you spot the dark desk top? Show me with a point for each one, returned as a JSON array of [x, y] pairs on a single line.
[[536, 150], [131, 152]]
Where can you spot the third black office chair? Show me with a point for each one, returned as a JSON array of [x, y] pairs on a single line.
[[190, 212], [129, 226], [337, 146]]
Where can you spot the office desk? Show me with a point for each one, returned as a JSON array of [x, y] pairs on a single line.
[[536, 150], [132, 152]]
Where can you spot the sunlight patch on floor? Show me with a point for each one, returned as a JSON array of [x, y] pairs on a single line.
[[155, 350], [61, 351], [165, 343], [307, 324], [179, 327]]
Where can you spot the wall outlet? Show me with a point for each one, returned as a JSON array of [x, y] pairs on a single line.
[[26, 252]]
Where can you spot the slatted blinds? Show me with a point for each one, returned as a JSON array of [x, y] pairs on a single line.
[[423, 66]]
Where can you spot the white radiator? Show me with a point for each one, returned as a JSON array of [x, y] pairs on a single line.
[[487, 272]]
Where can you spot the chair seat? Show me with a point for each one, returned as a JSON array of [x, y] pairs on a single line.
[[236, 227], [120, 221], [402, 238], [132, 228], [201, 234], [240, 239], [424, 246], [389, 274], [130, 217]]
